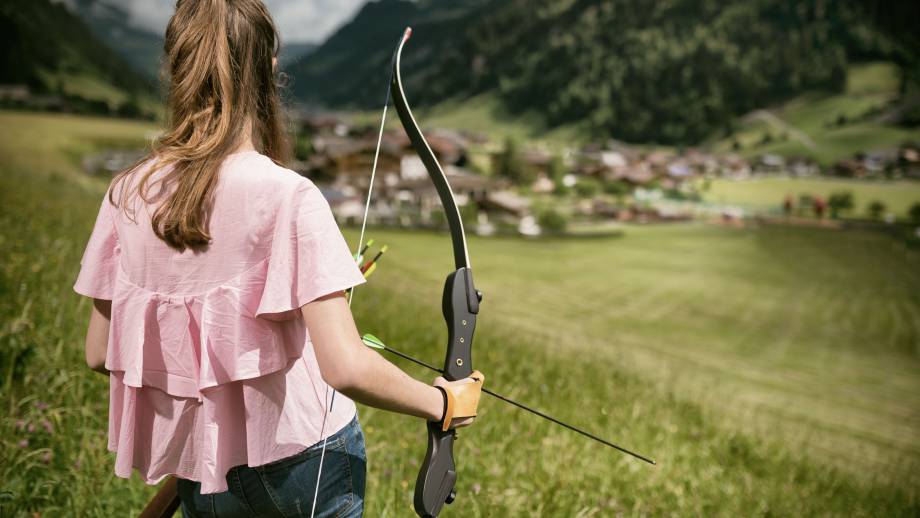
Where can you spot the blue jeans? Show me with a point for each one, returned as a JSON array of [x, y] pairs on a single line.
[[285, 488]]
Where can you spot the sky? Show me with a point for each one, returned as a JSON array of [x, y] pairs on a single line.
[[298, 20]]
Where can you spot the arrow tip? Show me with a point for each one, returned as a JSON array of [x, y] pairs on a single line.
[[407, 34]]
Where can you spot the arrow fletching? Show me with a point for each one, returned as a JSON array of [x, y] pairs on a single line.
[[360, 255], [373, 342], [373, 261]]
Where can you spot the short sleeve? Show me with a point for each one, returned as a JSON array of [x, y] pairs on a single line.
[[309, 257], [99, 265]]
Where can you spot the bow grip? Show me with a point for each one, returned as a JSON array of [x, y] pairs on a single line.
[[460, 303]]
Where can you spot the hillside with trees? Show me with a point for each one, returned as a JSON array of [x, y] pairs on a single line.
[[110, 22], [350, 68], [53, 54], [671, 72]]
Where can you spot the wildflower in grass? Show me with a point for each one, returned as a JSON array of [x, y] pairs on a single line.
[[46, 424], [477, 488], [41, 405], [47, 456], [23, 444], [20, 425], [77, 465], [31, 427]]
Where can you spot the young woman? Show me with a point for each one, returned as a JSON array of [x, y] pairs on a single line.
[[217, 278]]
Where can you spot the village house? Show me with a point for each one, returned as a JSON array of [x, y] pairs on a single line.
[[802, 167], [909, 160], [770, 164], [14, 93], [403, 193], [734, 166]]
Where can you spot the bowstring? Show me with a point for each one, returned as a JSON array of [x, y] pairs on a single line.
[[351, 294]]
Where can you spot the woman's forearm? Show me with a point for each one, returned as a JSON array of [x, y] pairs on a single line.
[[360, 373], [378, 383]]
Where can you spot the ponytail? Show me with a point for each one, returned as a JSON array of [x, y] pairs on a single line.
[[218, 63]]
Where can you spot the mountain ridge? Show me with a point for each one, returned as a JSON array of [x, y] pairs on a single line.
[[140, 48], [47, 48], [667, 72]]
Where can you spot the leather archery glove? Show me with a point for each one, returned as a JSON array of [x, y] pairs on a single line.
[[461, 400]]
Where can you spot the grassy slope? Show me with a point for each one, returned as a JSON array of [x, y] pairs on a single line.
[[765, 193], [749, 363], [869, 86], [485, 115]]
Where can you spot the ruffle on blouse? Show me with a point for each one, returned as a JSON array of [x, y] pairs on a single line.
[[160, 435], [224, 376], [184, 345]]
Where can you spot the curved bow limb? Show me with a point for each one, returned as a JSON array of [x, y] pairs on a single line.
[[460, 304]]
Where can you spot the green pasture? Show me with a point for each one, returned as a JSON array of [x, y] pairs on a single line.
[[769, 371], [826, 126], [769, 193]]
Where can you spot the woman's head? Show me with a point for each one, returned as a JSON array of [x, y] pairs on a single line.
[[219, 68]]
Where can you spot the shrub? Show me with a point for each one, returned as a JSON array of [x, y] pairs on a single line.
[[552, 221], [876, 209], [616, 188], [587, 187], [913, 213], [469, 213], [839, 202]]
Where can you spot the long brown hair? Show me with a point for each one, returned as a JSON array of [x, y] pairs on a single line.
[[221, 81]]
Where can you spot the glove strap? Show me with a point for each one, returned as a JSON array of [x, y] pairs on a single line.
[[448, 415]]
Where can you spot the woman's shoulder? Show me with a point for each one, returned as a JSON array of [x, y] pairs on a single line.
[[255, 172]]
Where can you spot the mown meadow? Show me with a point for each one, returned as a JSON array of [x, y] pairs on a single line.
[[769, 371], [768, 193]]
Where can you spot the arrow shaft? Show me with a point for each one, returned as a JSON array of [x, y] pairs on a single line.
[[529, 409]]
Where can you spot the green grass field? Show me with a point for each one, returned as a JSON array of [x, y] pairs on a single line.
[[770, 371], [769, 193]]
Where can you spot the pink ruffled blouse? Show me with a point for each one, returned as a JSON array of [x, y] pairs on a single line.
[[211, 364]]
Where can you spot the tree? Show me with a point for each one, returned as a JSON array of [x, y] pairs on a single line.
[[876, 209], [913, 213], [557, 172], [303, 147], [839, 202], [511, 166], [130, 109]]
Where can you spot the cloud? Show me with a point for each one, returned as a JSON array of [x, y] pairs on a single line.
[[297, 20]]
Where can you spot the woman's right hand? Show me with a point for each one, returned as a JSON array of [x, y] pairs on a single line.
[[461, 400]]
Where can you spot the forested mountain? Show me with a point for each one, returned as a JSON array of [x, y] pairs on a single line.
[[666, 71], [140, 47], [350, 69], [291, 52], [110, 23], [44, 46]]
